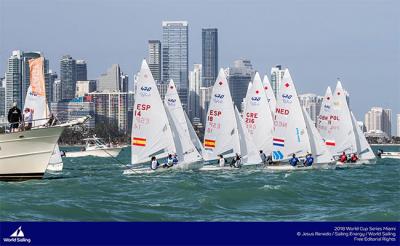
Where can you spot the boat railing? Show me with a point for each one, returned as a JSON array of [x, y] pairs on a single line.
[[7, 127]]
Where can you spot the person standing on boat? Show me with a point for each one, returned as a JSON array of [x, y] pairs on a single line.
[[14, 117], [221, 161], [154, 163], [263, 157], [343, 157], [309, 160], [294, 160], [28, 117]]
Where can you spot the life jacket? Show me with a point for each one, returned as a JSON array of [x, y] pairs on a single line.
[[343, 158], [293, 161], [354, 158], [310, 160]]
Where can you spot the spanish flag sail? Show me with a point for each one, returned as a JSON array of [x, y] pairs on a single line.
[[36, 96]]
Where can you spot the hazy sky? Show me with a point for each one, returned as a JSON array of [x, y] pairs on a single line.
[[358, 41]]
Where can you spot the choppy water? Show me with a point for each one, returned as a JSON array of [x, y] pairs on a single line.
[[94, 189]]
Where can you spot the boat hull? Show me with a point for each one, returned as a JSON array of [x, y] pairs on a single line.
[[109, 152], [182, 166], [25, 155], [287, 167], [391, 155]]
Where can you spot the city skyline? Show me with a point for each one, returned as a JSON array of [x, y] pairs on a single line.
[[314, 60]]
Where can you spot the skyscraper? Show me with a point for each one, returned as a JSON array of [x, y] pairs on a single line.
[[205, 96], [67, 77], [124, 82], [194, 92], [111, 80], [240, 75], [52, 78], [57, 91], [398, 125], [81, 70], [276, 77], [379, 119], [154, 59], [84, 87], [312, 104], [2, 99], [175, 56], [209, 56], [18, 76]]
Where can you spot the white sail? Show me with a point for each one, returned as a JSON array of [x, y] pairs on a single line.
[[325, 119], [151, 132], [247, 92], [221, 136], [341, 127], [179, 126], [270, 94], [364, 150], [195, 139], [257, 116], [318, 148], [248, 149], [55, 162], [185, 150], [290, 133]]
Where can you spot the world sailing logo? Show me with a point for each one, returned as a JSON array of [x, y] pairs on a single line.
[[286, 98], [218, 98], [145, 91], [17, 236], [171, 101]]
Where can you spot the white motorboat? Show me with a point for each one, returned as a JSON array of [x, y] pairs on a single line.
[[96, 147], [25, 155], [391, 155]]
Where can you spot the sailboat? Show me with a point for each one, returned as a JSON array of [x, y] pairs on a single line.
[[188, 153], [294, 132], [36, 101], [221, 135], [156, 129], [342, 127], [257, 116], [270, 94]]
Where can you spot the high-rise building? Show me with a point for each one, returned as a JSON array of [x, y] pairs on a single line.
[[209, 37], [73, 109], [2, 99], [124, 82], [240, 75], [111, 80], [17, 76], [154, 59], [276, 78], [57, 90], [175, 56], [111, 108], [194, 92], [379, 119], [68, 77], [162, 89], [398, 125], [312, 104], [205, 96], [81, 70], [84, 87], [52, 78]]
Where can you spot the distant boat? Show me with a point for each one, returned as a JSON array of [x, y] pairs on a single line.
[[294, 132], [96, 147], [258, 118]]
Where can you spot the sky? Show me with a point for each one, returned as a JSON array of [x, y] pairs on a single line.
[[318, 40]]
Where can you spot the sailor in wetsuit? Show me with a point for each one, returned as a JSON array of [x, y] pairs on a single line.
[[309, 160], [294, 160]]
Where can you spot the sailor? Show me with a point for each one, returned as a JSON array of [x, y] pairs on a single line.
[[170, 162], [379, 153], [14, 117], [154, 163], [52, 120], [343, 157], [62, 153], [28, 118], [269, 160], [221, 161], [309, 160], [236, 161], [353, 158], [175, 159], [294, 160], [263, 157]]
